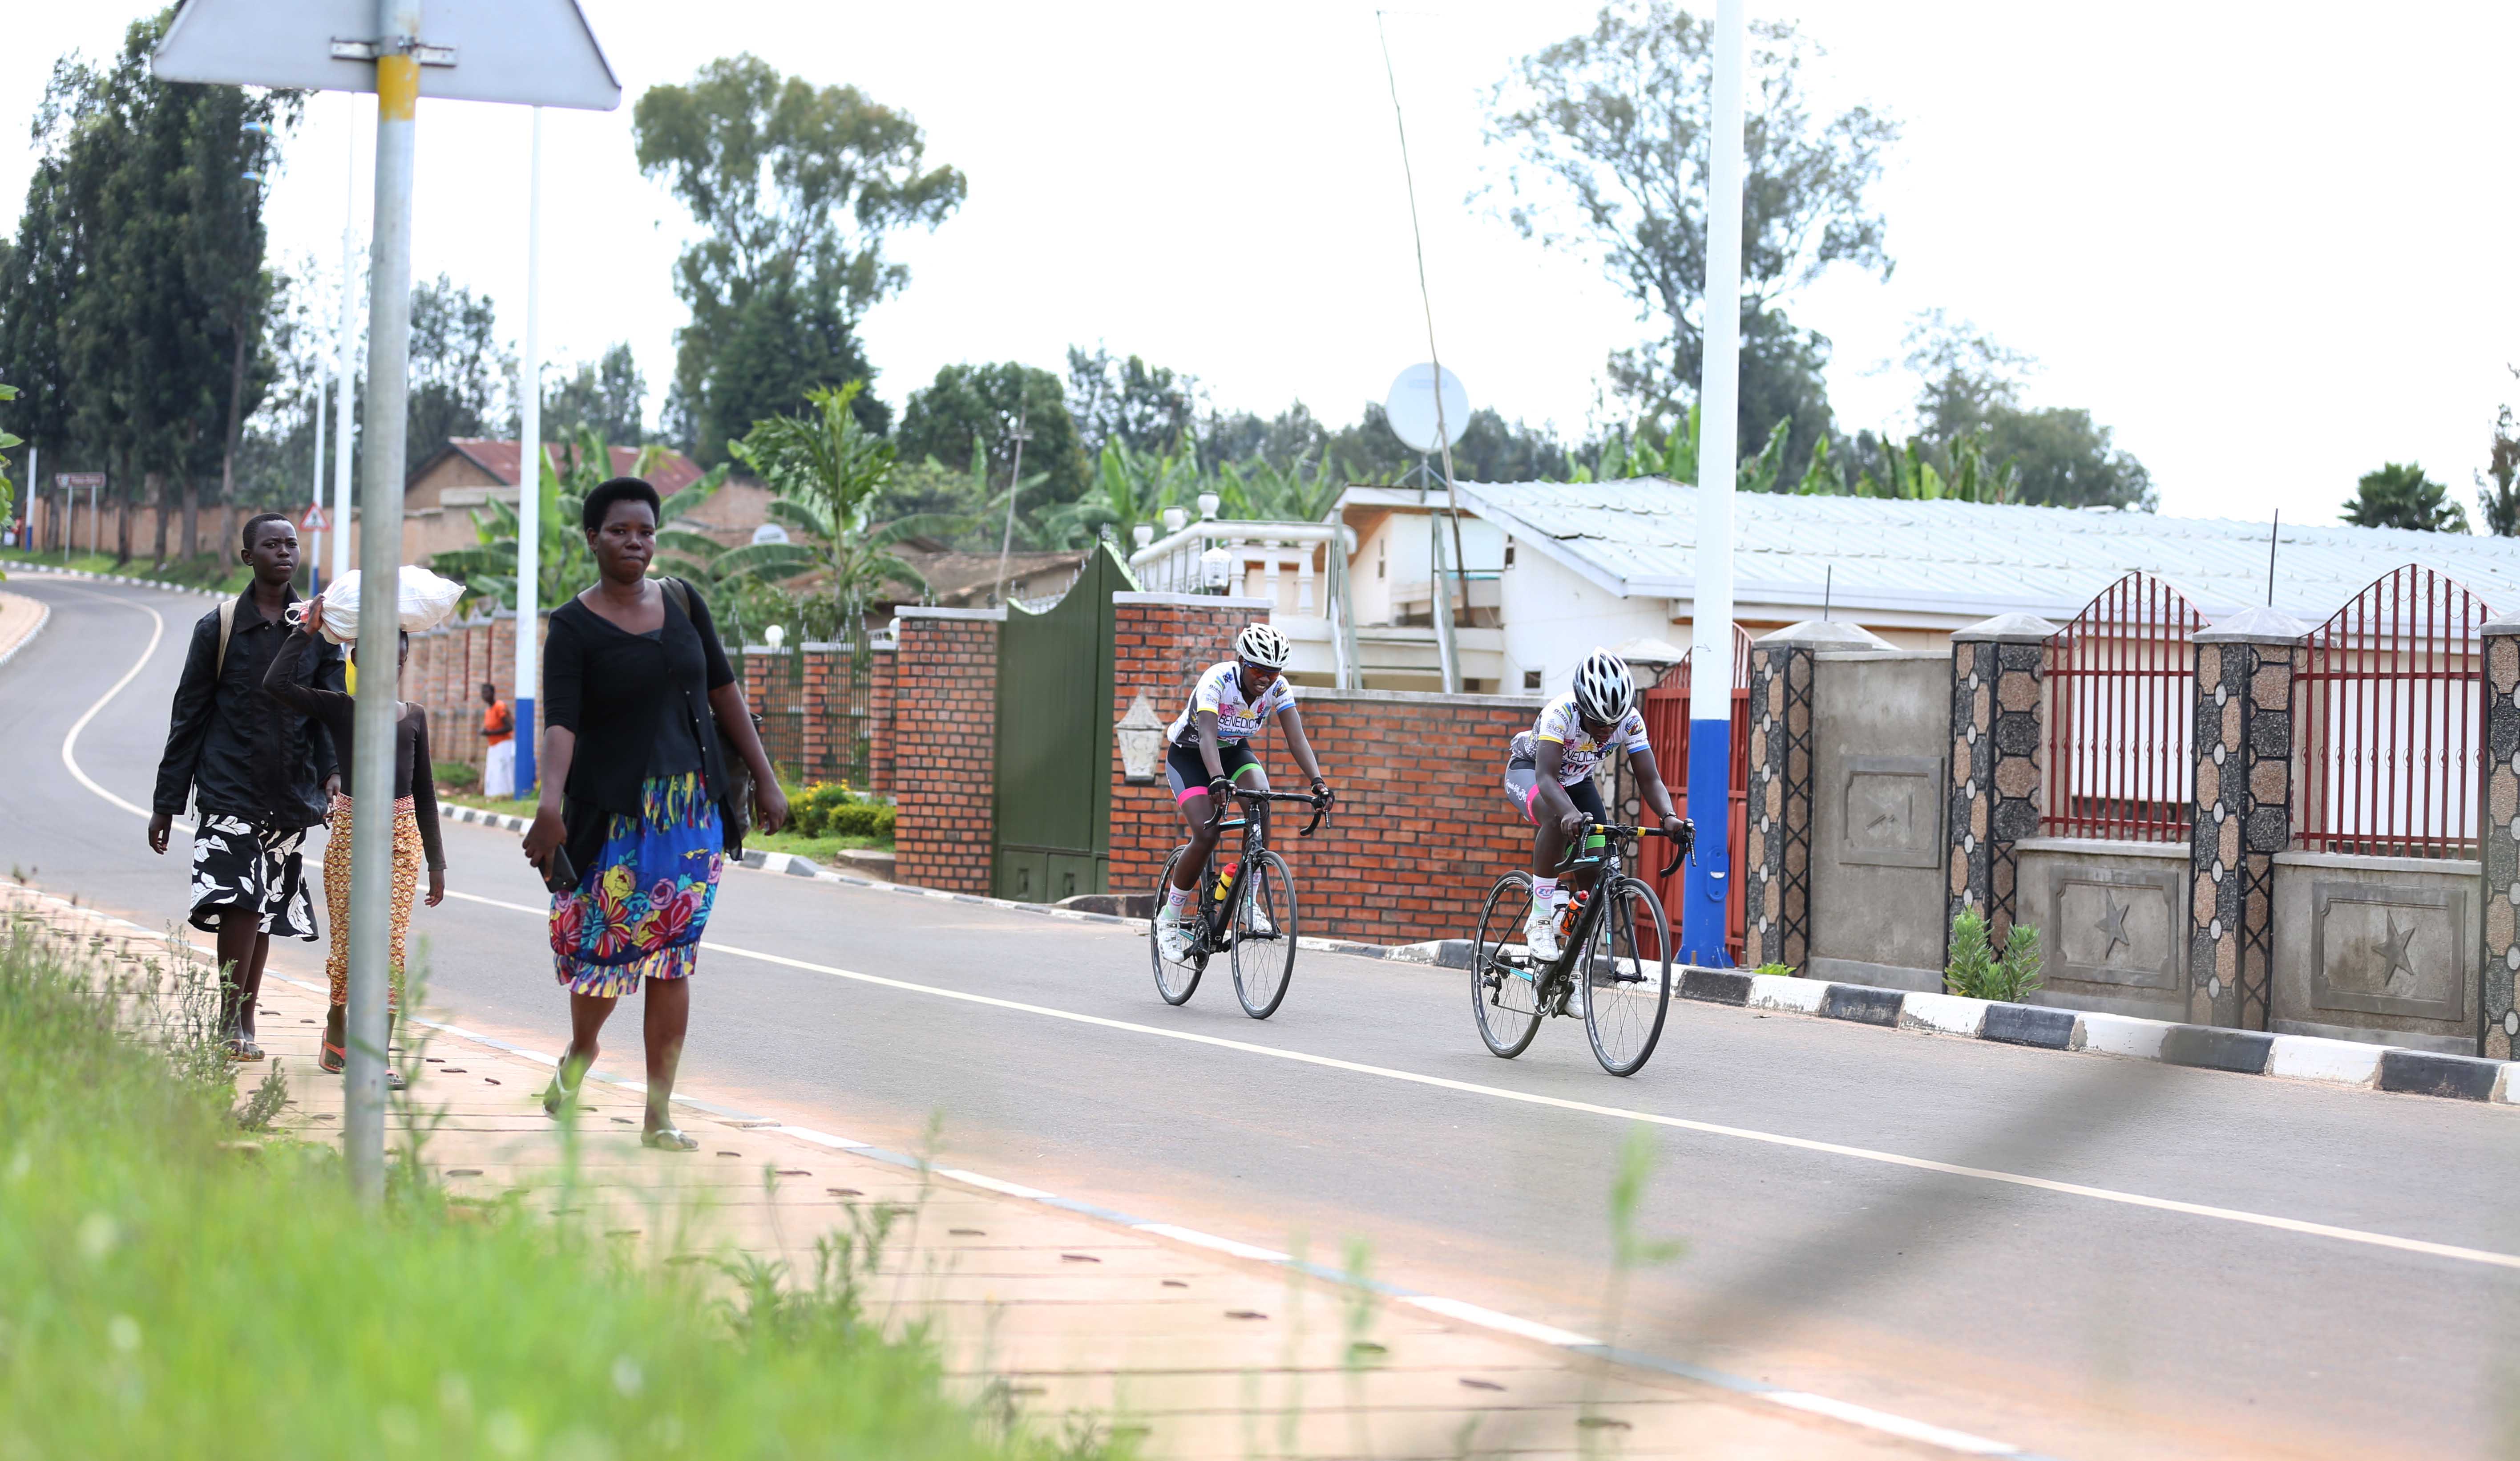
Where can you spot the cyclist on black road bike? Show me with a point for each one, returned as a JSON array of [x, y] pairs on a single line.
[[1208, 757], [1549, 779]]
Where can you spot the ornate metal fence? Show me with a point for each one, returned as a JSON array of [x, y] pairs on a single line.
[[2122, 686], [2392, 707]]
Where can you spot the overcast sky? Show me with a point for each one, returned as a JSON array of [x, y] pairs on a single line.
[[2272, 246]]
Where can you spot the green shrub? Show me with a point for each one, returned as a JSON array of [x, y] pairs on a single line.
[[144, 1248], [811, 811], [862, 820], [1975, 969], [1780, 970]]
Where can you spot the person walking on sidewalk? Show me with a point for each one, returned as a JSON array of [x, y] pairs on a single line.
[[258, 772], [638, 807], [415, 814], [499, 742]]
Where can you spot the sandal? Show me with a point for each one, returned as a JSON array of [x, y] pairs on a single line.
[[244, 1051], [558, 1096], [333, 1058], [669, 1139]]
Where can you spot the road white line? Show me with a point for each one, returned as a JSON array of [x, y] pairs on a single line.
[[69, 741], [1619, 1113]]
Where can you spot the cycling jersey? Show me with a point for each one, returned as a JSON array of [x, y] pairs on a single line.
[[1558, 723], [1220, 690]]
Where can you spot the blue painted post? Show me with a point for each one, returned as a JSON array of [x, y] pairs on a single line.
[[1704, 896], [524, 718]]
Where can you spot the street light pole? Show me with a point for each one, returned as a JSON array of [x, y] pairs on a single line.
[[529, 477], [372, 820], [1704, 900], [345, 332]]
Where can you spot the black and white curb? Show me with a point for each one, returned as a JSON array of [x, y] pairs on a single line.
[[159, 585], [2244, 1052]]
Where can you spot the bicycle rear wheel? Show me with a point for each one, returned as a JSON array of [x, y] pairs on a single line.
[[1174, 981], [1264, 936], [1626, 970], [1502, 995]]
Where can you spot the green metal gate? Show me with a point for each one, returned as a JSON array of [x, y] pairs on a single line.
[[1053, 735]]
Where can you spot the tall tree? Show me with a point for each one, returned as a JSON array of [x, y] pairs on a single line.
[[2497, 486], [970, 408], [797, 189], [1970, 391], [1610, 132], [459, 373], [606, 396], [1143, 407], [2400, 495]]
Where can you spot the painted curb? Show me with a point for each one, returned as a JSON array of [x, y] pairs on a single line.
[[124, 578], [43, 617]]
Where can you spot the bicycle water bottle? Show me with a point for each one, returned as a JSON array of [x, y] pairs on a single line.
[[1225, 879], [1567, 920]]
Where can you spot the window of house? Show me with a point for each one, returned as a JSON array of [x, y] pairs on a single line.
[[1381, 555], [1530, 677], [1509, 553]]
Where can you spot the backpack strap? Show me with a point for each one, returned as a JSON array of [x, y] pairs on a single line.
[[227, 626], [678, 591]]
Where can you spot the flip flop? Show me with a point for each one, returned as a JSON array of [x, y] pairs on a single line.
[[669, 1139], [333, 1058], [557, 1096], [244, 1052]]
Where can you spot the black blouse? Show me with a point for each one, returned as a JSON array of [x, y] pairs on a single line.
[[614, 689]]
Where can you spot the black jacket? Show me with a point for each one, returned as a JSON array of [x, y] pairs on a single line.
[[236, 750], [610, 687]]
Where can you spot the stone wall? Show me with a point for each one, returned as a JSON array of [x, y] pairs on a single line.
[[2376, 948], [1881, 731], [945, 715], [2112, 921]]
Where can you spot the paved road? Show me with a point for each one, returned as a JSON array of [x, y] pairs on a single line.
[[2075, 1325]]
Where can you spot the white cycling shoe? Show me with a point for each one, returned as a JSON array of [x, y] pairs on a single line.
[[1540, 935], [1575, 998], [1172, 940]]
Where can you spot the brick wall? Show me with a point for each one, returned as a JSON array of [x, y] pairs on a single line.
[[448, 665], [946, 709], [1421, 830]]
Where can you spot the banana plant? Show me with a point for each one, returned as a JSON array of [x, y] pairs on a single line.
[[827, 474], [565, 564], [1261, 490], [1129, 488]]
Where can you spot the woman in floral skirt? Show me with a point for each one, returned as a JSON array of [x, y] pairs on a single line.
[[641, 712]]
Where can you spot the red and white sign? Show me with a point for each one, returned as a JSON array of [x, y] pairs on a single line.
[[314, 520]]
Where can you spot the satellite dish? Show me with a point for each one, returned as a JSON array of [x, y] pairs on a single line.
[[770, 533], [1411, 408]]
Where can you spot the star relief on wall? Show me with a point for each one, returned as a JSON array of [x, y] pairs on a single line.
[[2112, 924], [2396, 950]]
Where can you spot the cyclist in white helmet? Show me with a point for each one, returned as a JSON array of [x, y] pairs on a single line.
[[1548, 778], [1234, 699]]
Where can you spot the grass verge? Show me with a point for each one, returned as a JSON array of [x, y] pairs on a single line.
[[171, 1289], [819, 848], [216, 570]]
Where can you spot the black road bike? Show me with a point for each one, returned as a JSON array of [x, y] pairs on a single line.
[[1246, 908], [1618, 943]]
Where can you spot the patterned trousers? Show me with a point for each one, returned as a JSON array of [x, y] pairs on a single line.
[[408, 855]]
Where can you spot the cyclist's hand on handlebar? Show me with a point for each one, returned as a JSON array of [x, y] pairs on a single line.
[[1675, 828], [1323, 795], [1220, 794], [1573, 823]]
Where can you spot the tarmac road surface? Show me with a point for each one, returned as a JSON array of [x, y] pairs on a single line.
[[2075, 1325]]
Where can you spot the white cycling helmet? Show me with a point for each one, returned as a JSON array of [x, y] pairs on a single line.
[[1605, 691], [1263, 646]]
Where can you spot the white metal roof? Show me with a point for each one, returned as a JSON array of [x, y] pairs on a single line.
[[1638, 537]]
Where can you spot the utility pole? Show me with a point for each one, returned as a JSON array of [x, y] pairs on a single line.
[[1015, 484], [314, 561], [1705, 900], [372, 817], [343, 333], [529, 476]]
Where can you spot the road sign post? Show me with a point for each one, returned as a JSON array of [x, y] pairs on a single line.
[[533, 52], [529, 479]]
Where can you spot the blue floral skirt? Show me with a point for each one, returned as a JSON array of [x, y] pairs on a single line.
[[638, 912]]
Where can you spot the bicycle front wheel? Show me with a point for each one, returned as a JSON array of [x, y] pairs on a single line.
[[1264, 936], [1174, 981], [1627, 978], [1501, 994]]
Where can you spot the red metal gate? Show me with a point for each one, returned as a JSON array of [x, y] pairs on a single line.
[[2121, 686], [1666, 712], [2391, 705]]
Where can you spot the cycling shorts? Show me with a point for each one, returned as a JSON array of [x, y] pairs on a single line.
[[1187, 770], [1522, 789]]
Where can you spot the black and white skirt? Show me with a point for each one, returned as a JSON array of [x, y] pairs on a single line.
[[239, 865]]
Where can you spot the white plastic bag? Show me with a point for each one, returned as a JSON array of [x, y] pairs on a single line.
[[426, 599]]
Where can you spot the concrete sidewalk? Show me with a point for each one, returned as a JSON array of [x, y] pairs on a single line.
[[1063, 1318]]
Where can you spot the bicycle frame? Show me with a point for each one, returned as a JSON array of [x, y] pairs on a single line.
[[1605, 871], [1216, 915]]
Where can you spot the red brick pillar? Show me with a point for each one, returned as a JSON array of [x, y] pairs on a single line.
[[1160, 642], [880, 679], [946, 713], [817, 688]]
